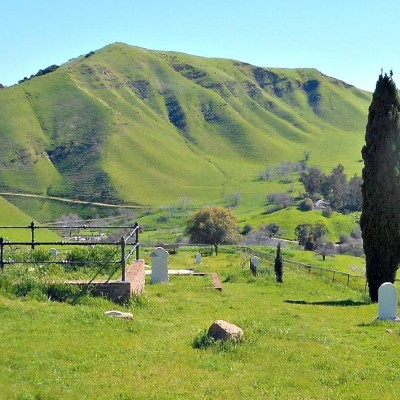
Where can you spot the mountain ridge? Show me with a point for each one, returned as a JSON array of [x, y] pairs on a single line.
[[128, 124]]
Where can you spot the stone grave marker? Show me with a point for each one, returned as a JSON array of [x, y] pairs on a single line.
[[387, 301], [54, 252], [159, 266], [254, 263], [198, 258]]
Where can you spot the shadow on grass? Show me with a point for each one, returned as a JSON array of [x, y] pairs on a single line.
[[337, 303]]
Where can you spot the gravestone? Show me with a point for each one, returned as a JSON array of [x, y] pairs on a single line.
[[254, 263], [54, 252], [198, 258], [159, 266], [387, 301]]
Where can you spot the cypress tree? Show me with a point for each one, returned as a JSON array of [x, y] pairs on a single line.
[[380, 218], [278, 264]]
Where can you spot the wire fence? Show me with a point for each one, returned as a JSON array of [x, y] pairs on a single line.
[[357, 282]]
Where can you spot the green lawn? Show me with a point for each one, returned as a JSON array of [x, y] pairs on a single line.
[[304, 339]]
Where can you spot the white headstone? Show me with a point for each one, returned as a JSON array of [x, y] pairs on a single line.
[[159, 266], [198, 258], [54, 252], [254, 263], [387, 300]]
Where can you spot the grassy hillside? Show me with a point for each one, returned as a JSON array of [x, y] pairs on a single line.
[[126, 124], [304, 339], [13, 216]]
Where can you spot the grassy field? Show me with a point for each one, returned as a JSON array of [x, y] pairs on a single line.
[[304, 339]]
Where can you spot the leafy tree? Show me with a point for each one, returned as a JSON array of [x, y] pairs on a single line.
[[313, 179], [278, 266], [271, 229], [353, 195], [380, 219], [213, 225], [308, 235], [337, 187], [303, 233]]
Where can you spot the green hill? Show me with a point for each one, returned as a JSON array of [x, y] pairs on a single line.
[[13, 216], [135, 126]]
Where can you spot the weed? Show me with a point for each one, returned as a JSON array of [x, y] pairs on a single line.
[[203, 340]]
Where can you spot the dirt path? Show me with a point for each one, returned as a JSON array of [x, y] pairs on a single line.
[[64, 200]]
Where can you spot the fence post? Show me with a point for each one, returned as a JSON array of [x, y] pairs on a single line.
[[32, 226], [2, 253], [137, 240], [123, 264]]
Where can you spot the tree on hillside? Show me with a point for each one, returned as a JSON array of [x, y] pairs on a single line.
[[353, 195], [337, 187], [313, 179], [278, 266], [213, 225], [308, 234], [380, 219]]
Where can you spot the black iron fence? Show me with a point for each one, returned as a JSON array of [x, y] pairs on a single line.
[[128, 245], [358, 282]]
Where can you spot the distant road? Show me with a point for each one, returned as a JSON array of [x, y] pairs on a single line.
[[39, 196]]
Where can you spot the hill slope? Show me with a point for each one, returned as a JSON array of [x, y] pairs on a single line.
[[126, 124]]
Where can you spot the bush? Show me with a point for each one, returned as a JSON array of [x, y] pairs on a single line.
[[306, 204], [356, 233], [246, 229], [282, 200], [90, 257], [271, 229], [203, 340], [62, 292], [327, 212]]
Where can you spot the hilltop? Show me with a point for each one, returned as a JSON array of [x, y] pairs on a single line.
[[127, 125]]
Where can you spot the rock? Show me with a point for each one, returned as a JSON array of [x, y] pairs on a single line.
[[222, 330], [119, 314]]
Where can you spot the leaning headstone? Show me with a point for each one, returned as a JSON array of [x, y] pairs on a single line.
[[254, 263], [198, 258], [387, 301], [222, 330], [54, 252], [159, 266]]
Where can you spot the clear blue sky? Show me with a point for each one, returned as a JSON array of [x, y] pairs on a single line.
[[348, 39]]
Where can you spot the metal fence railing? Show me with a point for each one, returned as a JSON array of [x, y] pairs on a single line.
[[131, 239]]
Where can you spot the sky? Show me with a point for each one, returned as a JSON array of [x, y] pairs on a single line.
[[351, 40]]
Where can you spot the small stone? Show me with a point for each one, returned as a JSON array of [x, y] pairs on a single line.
[[222, 330], [119, 314]]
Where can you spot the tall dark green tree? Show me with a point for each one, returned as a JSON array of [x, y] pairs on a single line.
[[380, 218], [278, 266]]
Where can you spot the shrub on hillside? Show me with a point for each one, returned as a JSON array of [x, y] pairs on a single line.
[[282, 199], [327, 212], [306, 204]]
